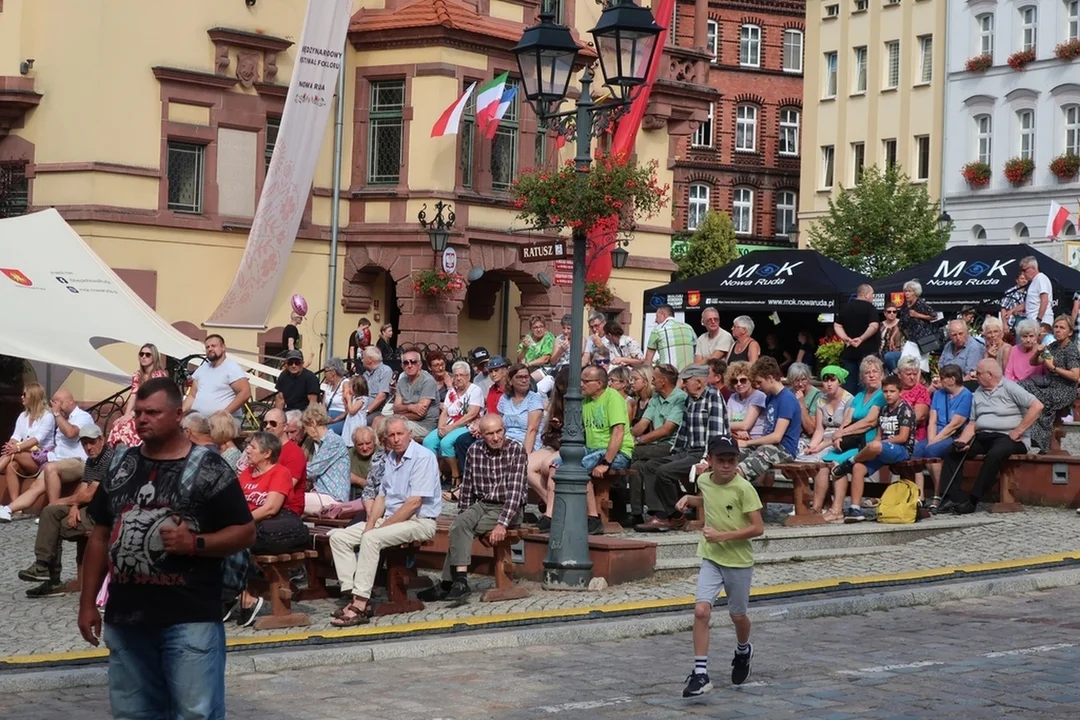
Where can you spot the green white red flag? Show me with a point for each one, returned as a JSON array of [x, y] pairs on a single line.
[[488, 98]]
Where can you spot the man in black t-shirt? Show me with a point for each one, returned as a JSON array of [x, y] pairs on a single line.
[[297, 386], [165, 515], [857, 325]]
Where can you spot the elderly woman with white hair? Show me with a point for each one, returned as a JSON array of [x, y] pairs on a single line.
[[993, 332], [746, 348], [798, 377], [916, 322], [333, 393], [1056, 390], [463, 403], [1020, 366]]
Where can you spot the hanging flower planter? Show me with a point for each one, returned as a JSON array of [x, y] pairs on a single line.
[[1019, 60], [1067, 50], [598, 295], [1065, 167], [977, 174], [979, 63], [437, 283], [1018, 170]]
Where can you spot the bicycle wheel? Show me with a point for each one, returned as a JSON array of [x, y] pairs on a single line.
[[254, 412]]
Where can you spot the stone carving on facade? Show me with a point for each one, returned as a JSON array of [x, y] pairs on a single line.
[[247, 67], [652, 121], [251, 50], [683, 70], [270, 67], [221, 59]]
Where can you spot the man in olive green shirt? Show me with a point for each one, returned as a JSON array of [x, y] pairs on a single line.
[[654, 434]]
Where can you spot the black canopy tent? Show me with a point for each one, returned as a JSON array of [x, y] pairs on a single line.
[[800, 281], [978, 276]]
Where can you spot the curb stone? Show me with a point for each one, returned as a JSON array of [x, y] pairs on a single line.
[[268, 661]]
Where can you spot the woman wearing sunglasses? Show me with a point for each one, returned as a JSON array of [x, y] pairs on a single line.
[[892, 337], [150, 366], [746, 406]]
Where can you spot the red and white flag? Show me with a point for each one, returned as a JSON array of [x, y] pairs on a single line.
[[1055, 222], [449, 122]]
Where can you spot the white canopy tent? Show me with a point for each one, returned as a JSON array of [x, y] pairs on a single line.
[[63, 303]]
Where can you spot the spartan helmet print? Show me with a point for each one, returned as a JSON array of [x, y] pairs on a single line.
[[145, 496]]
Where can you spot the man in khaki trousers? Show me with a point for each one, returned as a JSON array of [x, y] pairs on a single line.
[[405, 510]]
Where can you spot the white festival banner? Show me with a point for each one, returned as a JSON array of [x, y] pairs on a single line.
[[320, 57]]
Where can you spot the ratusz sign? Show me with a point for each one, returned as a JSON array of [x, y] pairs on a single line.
[[543, 252]]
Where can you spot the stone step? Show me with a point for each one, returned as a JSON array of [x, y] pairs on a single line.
[[677, 567]]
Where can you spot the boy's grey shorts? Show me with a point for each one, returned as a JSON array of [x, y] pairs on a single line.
[[712, 578]]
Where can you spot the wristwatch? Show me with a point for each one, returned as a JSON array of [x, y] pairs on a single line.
[[200, 543]]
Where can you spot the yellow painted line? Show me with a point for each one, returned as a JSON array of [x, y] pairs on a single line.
[[481, 621]]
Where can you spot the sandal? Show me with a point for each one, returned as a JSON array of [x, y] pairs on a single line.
[[934, 504], [832, 517], [454, 495], [358, 616]]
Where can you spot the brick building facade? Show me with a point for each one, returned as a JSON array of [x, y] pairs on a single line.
[[745, 159]]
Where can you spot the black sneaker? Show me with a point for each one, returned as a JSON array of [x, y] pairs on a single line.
[[696, 685], [230, 609], [459, 590], [246, 616], [35, 573], [841, 469], [596, 525], [544, 525], [740, 667], [435, 593], [47, 589]]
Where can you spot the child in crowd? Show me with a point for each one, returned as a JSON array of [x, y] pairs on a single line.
[[894, 442], [732, 513], [779, 442], [363, 334]]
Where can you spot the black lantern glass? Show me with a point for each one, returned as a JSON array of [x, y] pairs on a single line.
[[943, 220], [625, 37], [619, 256], [439, 237], [545, 59]]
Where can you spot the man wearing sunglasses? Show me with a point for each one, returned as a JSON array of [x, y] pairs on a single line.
[[297, 386], [417, 396]]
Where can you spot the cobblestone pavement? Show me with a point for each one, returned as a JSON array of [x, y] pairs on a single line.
[[996, 657], [48, 626]]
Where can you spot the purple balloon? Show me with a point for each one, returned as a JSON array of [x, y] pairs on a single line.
[[299, 305]]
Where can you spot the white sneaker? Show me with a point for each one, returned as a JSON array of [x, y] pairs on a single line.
[[5, 513]]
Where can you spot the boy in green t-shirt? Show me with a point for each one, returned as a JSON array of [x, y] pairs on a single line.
[[732, 516]]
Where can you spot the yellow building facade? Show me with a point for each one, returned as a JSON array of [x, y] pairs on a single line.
[[875, 72], [149, 126]]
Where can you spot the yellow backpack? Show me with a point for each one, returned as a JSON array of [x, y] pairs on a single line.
[[899, 503]]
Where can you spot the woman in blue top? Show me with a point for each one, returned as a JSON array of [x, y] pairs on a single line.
[[950, 408], [521, 408]]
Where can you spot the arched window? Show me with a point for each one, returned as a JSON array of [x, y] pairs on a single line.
[[1020, 230], [1069, 231], [1072, 129], [978, 234], [1025, 123], [750, 46], [1072, 20], [789, 131], [746, 129], [1029, 27], [787, 206], [713, 39], [698, 206], [743, 216], [984, 127], [986, 34]]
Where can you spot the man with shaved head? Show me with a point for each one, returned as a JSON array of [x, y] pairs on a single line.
[[493, 490], [292, 456], [1002, 414]]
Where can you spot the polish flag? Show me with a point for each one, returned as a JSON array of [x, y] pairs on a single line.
[[449, 122], [488, 99], [504, 105], [1055, 222]]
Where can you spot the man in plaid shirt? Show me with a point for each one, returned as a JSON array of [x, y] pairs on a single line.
[[671, 341], [493, 489], [705, 417]]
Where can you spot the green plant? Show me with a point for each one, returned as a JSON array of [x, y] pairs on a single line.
[[979, 63], [828, 351], [711, 246], [598, 295], [571, 198], [1019, 59], [1067, 50], [1018, 170], [1065, 166], [977, 173], [437, 283]]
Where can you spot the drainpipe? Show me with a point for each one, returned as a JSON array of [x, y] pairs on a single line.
[[944, 119], [335, 219], [504, 330]]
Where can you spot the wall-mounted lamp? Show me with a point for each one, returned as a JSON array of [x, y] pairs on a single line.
[[620, 255], [438, 227], [543, 279], [475, 273], [25, 66], [250, 3], [944, 220]]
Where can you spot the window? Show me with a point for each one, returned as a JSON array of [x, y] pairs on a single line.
[[504, 147], [793, 51], [557, 11], [713, 38], [699, 205], [273, 127], [1029, 27], [861, 5], [1022, 231], [14, 190], [468, 140], [1072, 20], [986, 34], [858, 161], [750, 46], [978, 233], [540, 149], [787, 207], [789, 131], [385, 132], [186, 163], [830, 75], [892, 64], [746, 129], [743, 217], [984, 126], [703, 136], [1069, 230], [1072, 129], [1025, 121], [926, 58], [888, 148], [859, 69], [828, 154], [832, 11], [922, 157]]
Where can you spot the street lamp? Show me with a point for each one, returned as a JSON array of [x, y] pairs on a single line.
[[944, 220], [438, 228], [546, 55], [793, 237], [619, 255]]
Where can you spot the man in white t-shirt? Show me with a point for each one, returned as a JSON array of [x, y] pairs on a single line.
[[1039, 305], [218, 384], [715, 341]]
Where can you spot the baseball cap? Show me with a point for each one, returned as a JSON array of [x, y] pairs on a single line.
[[89, 432], [723, 445], [694, 371], [294, 355], [480, 354], [496, 362]]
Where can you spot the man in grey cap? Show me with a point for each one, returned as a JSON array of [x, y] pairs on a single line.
[[705, 417], [297, 386], [67, 519]]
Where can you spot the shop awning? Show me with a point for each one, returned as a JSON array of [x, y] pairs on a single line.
[[62, 302], [764, 280]]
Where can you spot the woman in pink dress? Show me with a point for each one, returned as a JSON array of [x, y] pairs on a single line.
[[150, 366], [1018, 366]]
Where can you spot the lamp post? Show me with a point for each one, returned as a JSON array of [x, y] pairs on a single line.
[[624, 37], [438, 228]]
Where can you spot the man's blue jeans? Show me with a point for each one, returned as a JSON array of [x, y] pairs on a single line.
[[166, 673], [593, 457]]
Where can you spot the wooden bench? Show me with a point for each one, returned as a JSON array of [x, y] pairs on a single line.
[[802, 476], [276, 586], [504, 567], [602, 493], [74, 586]]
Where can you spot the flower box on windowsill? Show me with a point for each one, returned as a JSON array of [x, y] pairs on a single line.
[[1018, 170], [1065, 167], [979, 63], [1019, 60], [977, 174], [1068, 50]]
